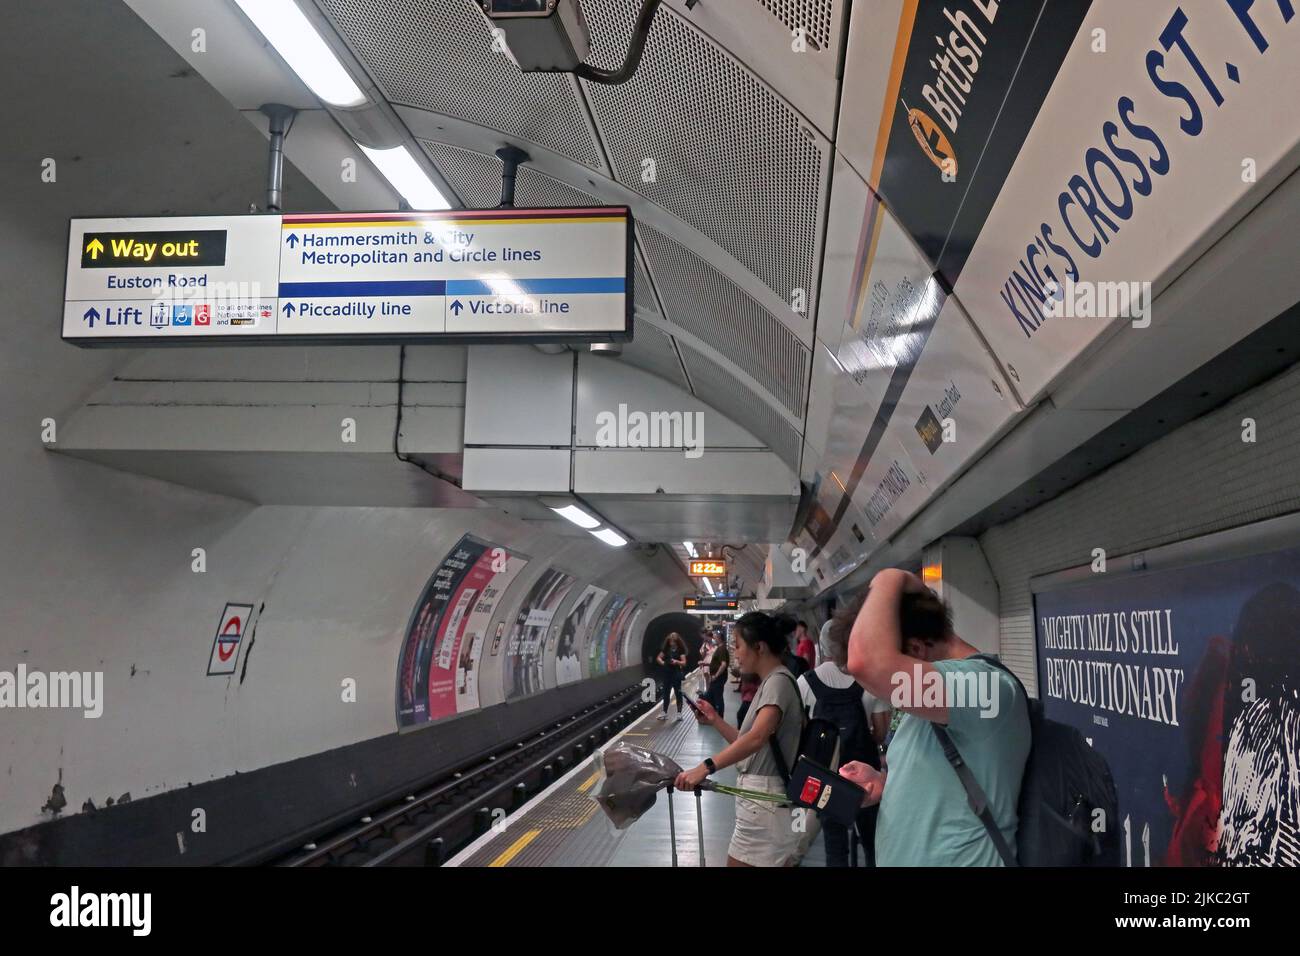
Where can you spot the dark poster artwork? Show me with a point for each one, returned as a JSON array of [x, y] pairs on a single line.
[[1187, 681], [959, 120]]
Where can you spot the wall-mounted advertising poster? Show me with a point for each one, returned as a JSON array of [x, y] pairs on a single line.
[[438, 652], [617, 631], [577, 623], [1187, 680], [525, 650], [627, 656], [470, 644], [600, 637]]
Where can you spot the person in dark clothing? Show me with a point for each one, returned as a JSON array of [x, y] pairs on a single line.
[[672, 658], [718, 665], [830, 692]]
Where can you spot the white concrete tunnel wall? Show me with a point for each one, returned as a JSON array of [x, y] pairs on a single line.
[[111, 589]]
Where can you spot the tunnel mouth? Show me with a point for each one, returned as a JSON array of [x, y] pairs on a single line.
[[656, 632]]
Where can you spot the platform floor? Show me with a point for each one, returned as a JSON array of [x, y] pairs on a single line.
[[563, 826]]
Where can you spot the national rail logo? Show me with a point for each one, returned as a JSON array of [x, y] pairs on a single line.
[[951, 84], [932, 141]]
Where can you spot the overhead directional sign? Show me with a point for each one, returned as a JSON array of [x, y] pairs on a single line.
[[462, 275]]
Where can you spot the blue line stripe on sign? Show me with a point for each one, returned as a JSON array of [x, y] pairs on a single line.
[[535, 286], [324, 290]]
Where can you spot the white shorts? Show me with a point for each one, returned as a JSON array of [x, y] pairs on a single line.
[[764, 833]]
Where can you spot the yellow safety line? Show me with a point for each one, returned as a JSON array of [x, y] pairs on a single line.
[[505, 858], [590, 780], [455, 222]]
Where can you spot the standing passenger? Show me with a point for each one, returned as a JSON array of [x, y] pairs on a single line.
[[804, 645], [901, 643], [765, 834], [862, 719], [672, 658]]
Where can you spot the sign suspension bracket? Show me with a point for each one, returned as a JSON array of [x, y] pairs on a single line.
[[281, 120], [511, 158]]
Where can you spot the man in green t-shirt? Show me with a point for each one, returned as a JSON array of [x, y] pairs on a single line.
[[902, 648]]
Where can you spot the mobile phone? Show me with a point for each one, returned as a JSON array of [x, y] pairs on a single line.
[[694, 706]]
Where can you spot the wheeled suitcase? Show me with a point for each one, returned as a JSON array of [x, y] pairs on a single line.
[[672, 824]]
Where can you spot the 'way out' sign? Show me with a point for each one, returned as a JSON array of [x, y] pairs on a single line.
[[462, 275]]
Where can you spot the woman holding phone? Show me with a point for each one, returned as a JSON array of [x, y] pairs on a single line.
[[672, 657], [765, 834]]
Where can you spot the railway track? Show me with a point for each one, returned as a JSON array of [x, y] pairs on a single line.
[[431, 824]]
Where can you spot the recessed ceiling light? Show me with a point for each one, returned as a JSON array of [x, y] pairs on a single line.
[[577, 516], [407, 177], [288, 30], [611, 537]]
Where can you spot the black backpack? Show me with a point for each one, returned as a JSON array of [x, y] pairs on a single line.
[[1064, 783], [842, 707], [818, 738], [810, 783]]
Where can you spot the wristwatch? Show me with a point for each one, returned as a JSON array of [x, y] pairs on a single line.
[[708, 762]]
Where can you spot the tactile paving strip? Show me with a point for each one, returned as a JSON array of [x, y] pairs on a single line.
[[567, 828]]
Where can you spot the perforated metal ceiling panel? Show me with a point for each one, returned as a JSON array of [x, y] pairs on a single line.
[[653, 351], [476, 177], [813, 16], [437, 55], [730, 157], [643, 294], [707, 304], [716, 386]]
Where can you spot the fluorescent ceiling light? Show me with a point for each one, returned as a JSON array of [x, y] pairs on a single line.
[[690, 549], [407, 177], [708, 584], [610, 536], [295, 39], [577, 516]]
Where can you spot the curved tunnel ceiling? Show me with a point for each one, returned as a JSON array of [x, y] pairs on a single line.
[[729, 181], [767, 150]]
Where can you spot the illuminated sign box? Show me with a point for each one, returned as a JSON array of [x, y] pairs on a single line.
[[522, 275], [708, 568], [703, 603]]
